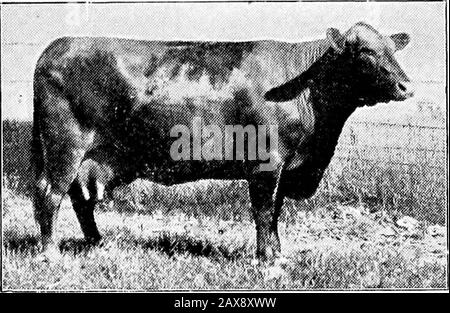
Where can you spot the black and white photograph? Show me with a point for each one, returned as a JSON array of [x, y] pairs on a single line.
[[224, 146]]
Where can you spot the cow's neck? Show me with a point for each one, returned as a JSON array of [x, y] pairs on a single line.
[[328, 127], [332, 105]]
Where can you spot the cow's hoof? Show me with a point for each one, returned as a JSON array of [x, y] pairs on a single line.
[[281, 260], [94, 241], [274, 272], [270, 255], [49, 255]]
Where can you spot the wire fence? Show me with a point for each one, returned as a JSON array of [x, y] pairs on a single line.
[[395, 143], [401, 167]]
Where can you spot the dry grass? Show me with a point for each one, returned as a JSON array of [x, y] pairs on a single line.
[[156, 247], [415, 190]]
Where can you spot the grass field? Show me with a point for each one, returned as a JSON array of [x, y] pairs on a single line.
[[161, 247]]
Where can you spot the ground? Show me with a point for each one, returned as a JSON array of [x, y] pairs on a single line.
[[163, 245]]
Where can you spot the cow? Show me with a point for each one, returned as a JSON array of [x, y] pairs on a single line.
[[104, 108]]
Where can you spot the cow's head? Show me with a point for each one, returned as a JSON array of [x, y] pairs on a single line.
[[376, 75], [364, 65]]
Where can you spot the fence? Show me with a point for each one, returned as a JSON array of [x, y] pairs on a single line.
[[402, 144], [396, 166]]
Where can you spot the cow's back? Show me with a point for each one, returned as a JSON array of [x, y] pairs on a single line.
[[130, 93]]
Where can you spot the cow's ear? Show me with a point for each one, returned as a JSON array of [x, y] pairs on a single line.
[[336, 39], [400, 40], [285, 92]]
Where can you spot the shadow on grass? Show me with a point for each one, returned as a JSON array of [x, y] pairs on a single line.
[[173, 244], [20, 244], [170, 244], [77, 246], [30, 244]]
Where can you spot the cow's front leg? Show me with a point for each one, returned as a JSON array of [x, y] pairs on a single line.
[[266, 200]]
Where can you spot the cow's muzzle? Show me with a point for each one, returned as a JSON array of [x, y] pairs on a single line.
[[403, 90]]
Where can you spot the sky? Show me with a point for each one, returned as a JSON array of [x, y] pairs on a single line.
[[27, 29]]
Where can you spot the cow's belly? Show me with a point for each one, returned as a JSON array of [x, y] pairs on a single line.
[[152, 132], [161, 107], [186, 171], [159, 165]]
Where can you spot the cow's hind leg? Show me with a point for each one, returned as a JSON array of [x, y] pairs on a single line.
[[46, 206], [49, 192], [61, 142]]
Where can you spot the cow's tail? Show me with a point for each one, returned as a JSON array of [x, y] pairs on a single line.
[[40, 182], [42, 79], [38, 153], [37, 149]]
